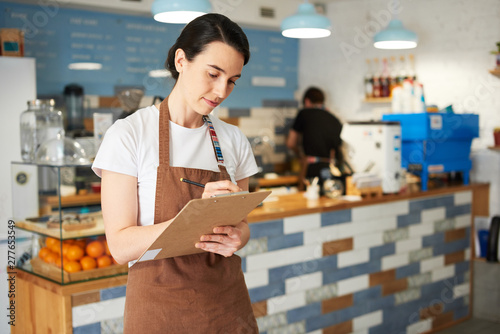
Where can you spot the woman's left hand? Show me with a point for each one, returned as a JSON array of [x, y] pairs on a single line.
[[225, 241]]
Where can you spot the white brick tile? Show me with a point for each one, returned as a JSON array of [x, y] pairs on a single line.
[[440, 274], [368, 240], [286, 302], [368, 226], [461, 290], [349, 258], [432, 263], [304, 282], [222, 112], [283, 257], [361, 331], [420, 327], [367, 213], [301, 223], [431, 215], [352, 285], [96, 312], [464, 197], [257, 278], [404, 246], [467, 254], [420, 230], [463, 221], [320, 235], [254, 127], [319, 331], [367, 320], [265, 113], [394, 261]]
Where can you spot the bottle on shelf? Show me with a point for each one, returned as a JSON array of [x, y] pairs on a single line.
[[393, 75], [402, 74], [411, 68], [368, 80], [377, 89], [384, 80]]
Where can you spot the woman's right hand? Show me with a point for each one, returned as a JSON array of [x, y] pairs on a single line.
[[219, 188]]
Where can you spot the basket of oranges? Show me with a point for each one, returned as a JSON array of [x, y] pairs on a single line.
[[76, 260]]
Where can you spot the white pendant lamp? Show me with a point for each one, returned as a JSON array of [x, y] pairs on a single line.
[[306, 23], [179, 11], [395, 36]]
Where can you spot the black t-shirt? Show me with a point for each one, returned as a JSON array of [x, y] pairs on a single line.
[[320, 132]]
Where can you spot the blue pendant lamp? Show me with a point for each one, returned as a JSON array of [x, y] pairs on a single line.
[[306, 23], [179, 11], [395, 36]]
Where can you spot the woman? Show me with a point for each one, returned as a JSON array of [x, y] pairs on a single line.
[[141, 161]]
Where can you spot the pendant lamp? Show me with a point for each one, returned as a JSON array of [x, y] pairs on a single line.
[[306, 23], [395, 36], [179, 11]]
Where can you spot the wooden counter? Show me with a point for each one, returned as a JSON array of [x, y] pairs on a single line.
[[297, 204]]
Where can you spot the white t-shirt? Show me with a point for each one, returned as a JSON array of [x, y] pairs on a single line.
[[131, 147]]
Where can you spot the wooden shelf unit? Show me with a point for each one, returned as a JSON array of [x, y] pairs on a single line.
[[496, 72], [378, 100]]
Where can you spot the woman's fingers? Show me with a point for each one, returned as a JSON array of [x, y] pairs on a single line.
[[219, 188], [225, 241]]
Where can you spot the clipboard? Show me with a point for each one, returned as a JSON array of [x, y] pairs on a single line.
[[198, 217]]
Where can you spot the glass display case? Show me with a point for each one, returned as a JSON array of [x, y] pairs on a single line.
[[61, 220]]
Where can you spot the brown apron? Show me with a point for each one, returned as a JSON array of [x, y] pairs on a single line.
[[200, 293]]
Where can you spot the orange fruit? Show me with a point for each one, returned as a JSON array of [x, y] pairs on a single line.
[[75, 253], [50, 241], [95, 249], [44, 251], [55, 246], [72, 266], [103, 261], [65, 248], [88, 263], [52, 258], [80, 242]]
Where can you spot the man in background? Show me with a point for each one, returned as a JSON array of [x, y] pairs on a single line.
[[315, 137]]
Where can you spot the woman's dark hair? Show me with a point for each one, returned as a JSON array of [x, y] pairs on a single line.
[[204, 30], [315, 95]]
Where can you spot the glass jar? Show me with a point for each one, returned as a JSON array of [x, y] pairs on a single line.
[[41, 122]]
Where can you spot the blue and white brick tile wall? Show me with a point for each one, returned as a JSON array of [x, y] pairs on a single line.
[[397, 267]]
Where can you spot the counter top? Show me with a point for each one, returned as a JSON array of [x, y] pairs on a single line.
[[297, 204]]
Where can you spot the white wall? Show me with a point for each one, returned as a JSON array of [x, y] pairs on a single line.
[[452, 58]]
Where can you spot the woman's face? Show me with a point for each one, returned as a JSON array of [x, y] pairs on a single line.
[[210, 77]]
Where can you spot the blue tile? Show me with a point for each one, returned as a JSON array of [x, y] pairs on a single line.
[[460, 313], [279, 274], [370, 293], [451, 305], [281, 130], [266, 229], [88, 329], [451, 247], [322, 321], [113, 293], [285, 241], [236, 112], [379, 329], [431, 203], [458, 210], [244, 264], [266, 292], [305, 312], [380, 303], [409, 219], [380, 251], [335, 217], [334, 275], [432, 240], [462, 267], [408, 270]]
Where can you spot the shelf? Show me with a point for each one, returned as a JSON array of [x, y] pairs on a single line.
[[496, 72], [74, 200], [378, 100], [41, 228], [494, 148], [279, 181]]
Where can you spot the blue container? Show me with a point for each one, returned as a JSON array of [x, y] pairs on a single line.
[[436, 142]]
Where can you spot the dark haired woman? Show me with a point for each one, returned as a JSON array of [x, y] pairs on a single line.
[[141, 161]]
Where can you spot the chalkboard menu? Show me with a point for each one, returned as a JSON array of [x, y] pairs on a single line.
[[129, 47]]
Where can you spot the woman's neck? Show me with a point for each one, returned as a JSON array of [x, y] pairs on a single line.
[[181, 113]]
